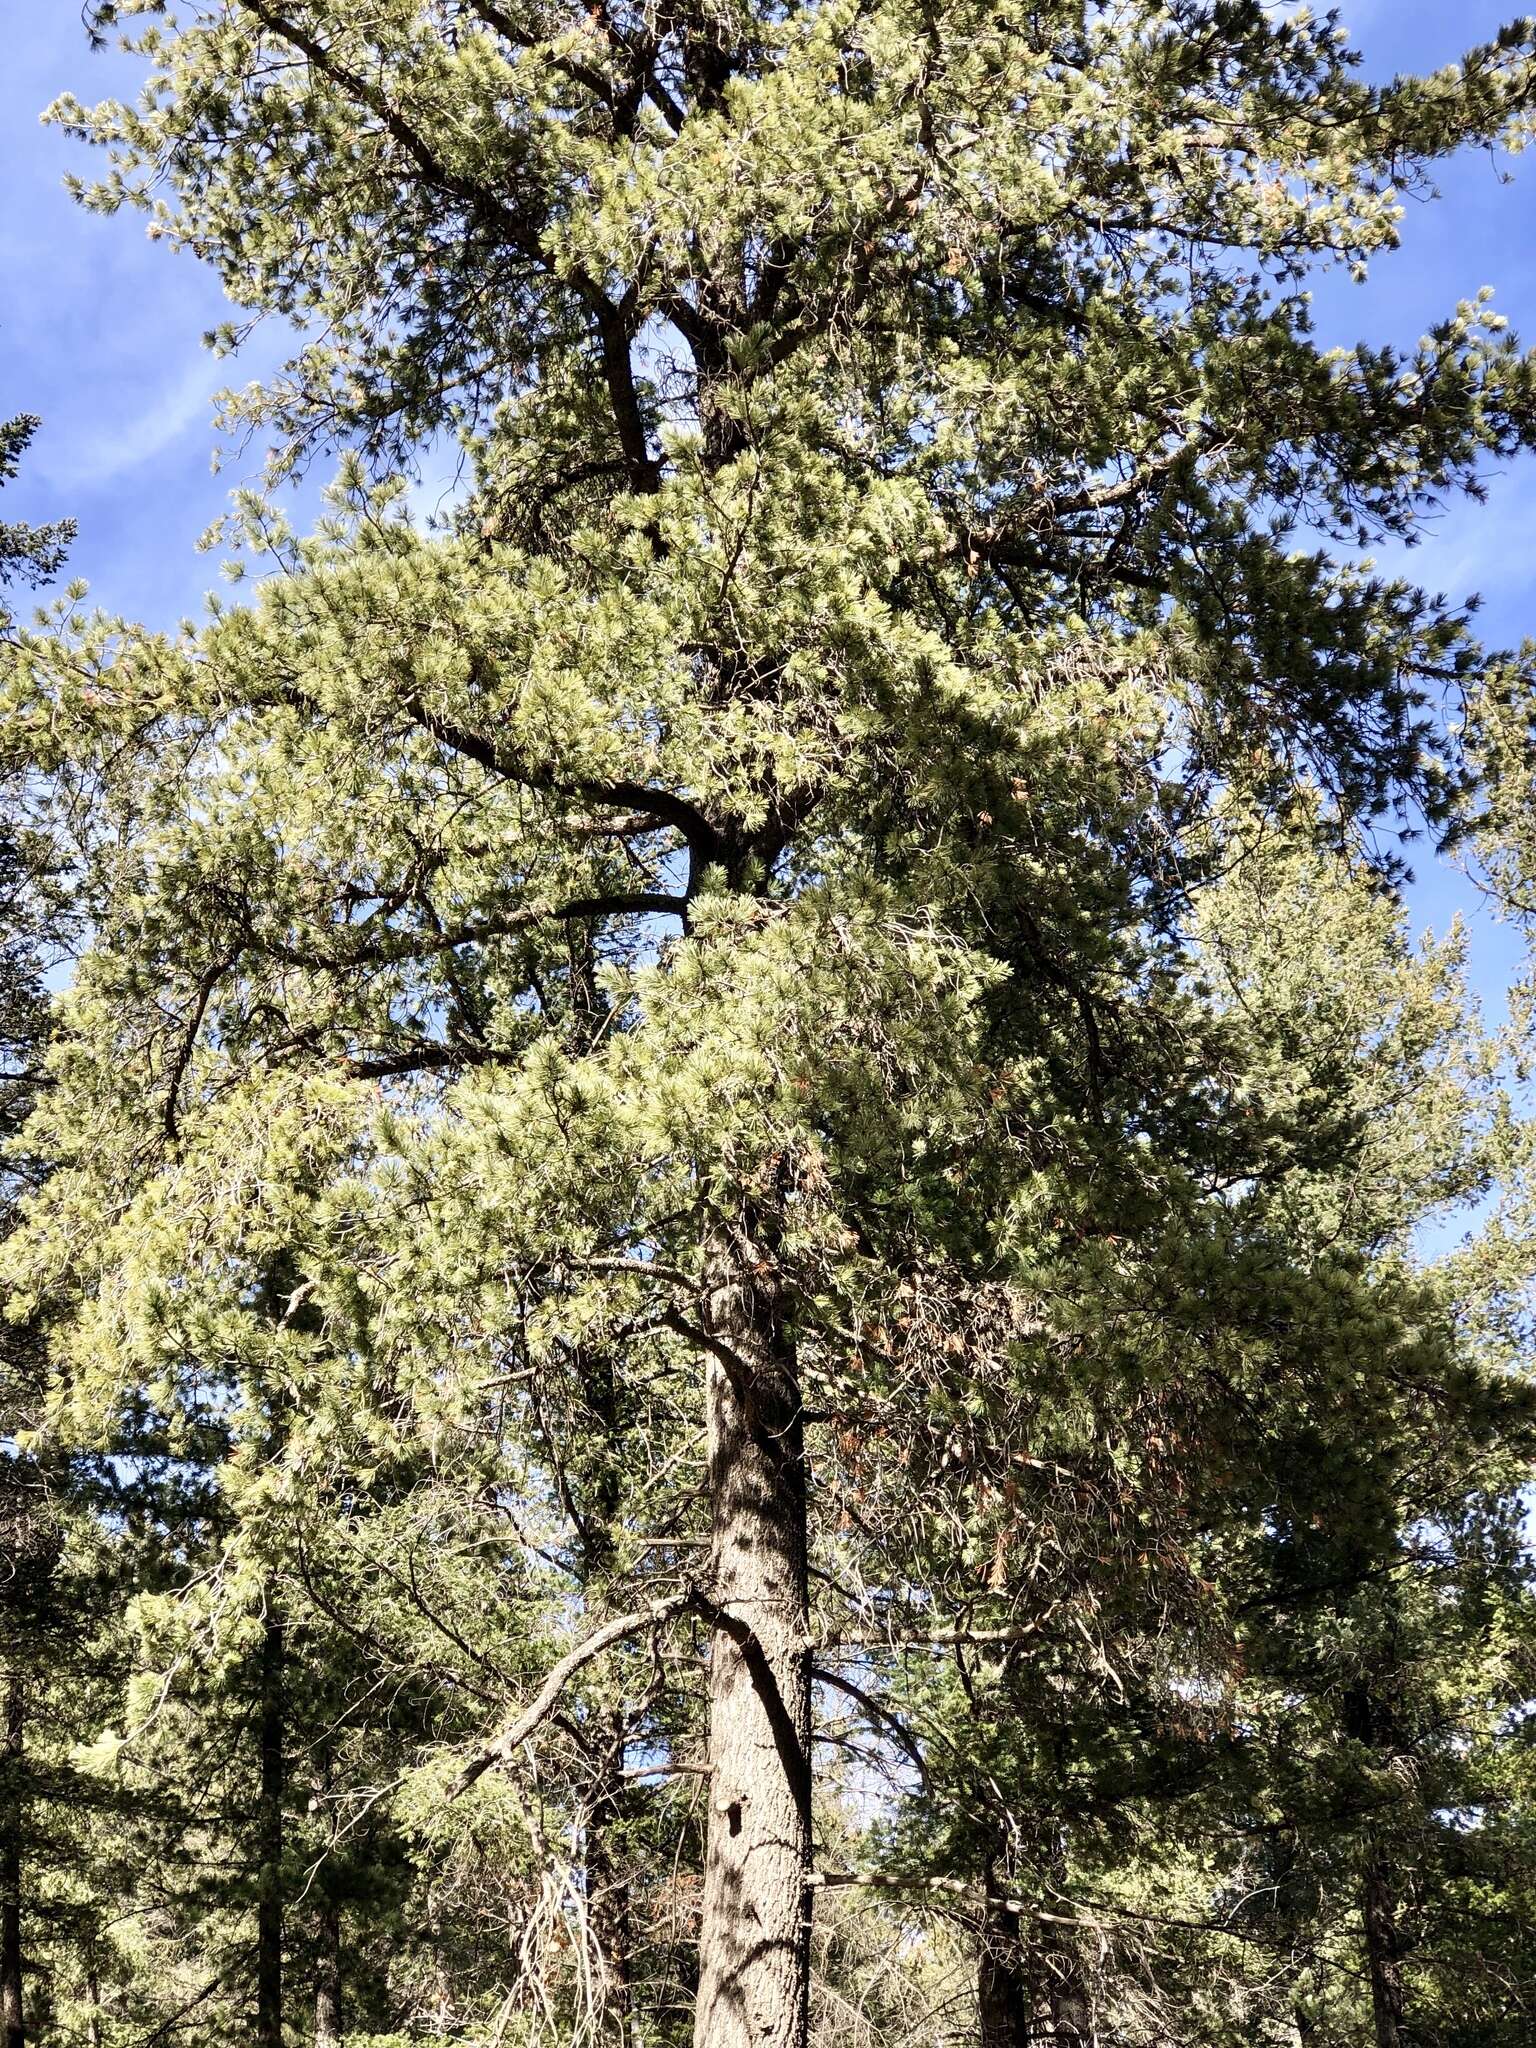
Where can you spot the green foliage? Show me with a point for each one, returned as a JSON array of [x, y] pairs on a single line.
[[876, 806], [28, 554]]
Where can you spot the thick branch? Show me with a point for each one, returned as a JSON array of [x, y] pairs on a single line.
[[519, 227], [641, 1269], [661, 805], [613, 328], [586, 75], [880, 1715], [205, 988], [547, 1698], [427, 1058], [400, 946], [937, 1639], [959, 1887], [1006, 551]]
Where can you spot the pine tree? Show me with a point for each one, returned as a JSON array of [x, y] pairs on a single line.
[[30, 1535], [726, 916]]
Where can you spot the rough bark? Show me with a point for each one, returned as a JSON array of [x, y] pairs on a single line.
[[10, 1867], [608, 1891], [1003, 1980], [1066, 1993], [1029, 1977], [608, 1898], [1061, 1962], [269, 1893], [328, 1980], [285, 1301], [1383, 1952], [754, 1940], [1368, 1722], [327, 1926]]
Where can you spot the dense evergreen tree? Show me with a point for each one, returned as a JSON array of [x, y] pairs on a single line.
[[31, 1536], [687, 1115]]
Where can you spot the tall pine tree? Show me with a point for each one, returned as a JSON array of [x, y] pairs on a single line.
[[712, 945]]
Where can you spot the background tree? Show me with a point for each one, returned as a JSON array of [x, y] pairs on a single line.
[[30, 1533]]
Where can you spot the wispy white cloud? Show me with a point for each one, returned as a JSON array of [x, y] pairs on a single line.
[[94, 450]]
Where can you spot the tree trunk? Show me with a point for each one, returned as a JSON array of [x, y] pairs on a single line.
[[10, 1867], [328, 1979], [269, 1894], [754, 1940], [328, 1924], [1066, 1993], [279, 1285], [1003, 1981], [607, 1877], [608, 1903], [1383, 1951], [1024, 1976], [1061, 1961], [1365, 1721]]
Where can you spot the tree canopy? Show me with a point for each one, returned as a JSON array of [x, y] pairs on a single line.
[[742, 1159]]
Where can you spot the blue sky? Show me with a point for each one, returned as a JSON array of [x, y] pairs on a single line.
[[100, 333]]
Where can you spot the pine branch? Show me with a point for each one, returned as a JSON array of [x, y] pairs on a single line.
[[506, 1745], [662, 806]]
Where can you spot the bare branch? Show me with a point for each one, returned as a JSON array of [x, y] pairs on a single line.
[[547, 1698], [936, 1639], [1116, 1920]]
